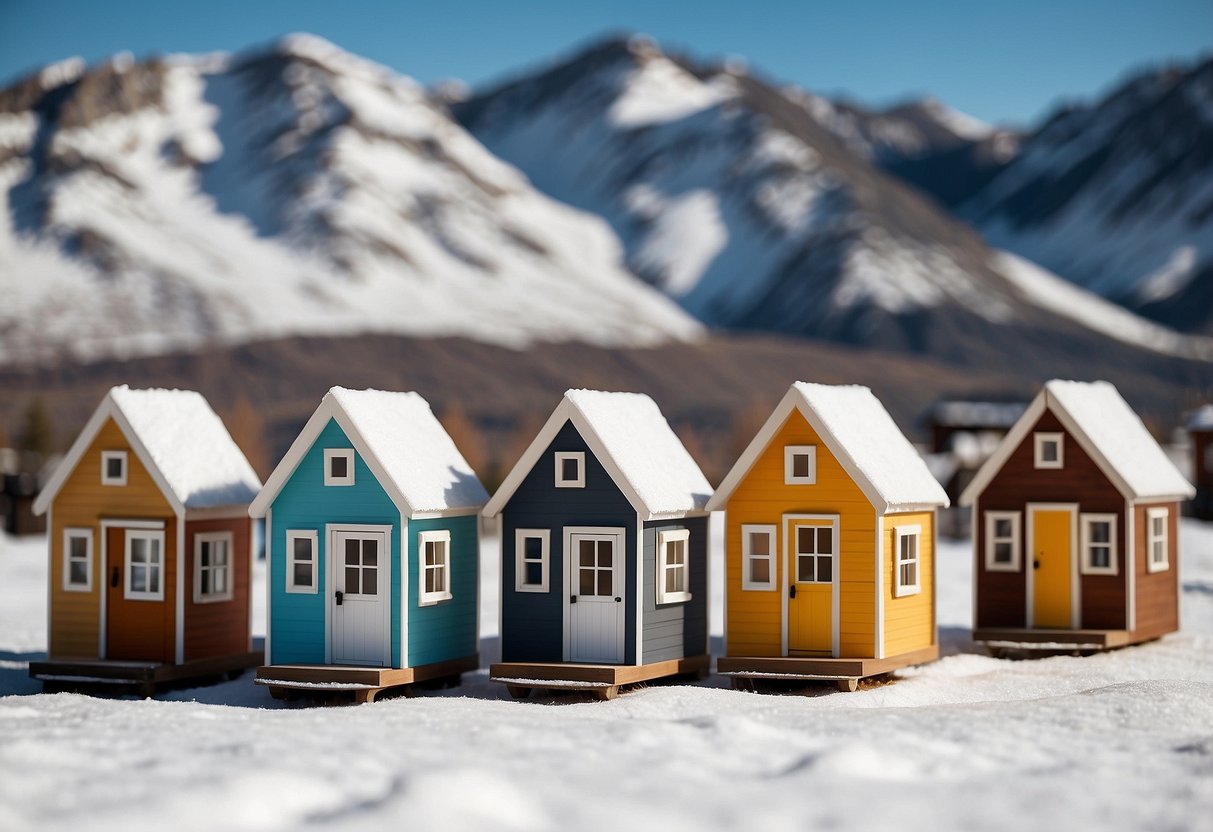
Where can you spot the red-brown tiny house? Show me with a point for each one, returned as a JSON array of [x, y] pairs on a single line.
[[1075, 527]]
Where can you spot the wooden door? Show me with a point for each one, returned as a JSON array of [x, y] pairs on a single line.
[[136, 607], [812, 570], [1052, 565], [360, 600], [596, 597]]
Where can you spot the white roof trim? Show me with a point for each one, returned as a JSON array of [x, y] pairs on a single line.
[[1013, 439]]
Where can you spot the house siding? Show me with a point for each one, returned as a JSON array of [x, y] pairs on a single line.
[[218, 628], [673, 631], [909, 621], [446, 630], [1157, 593]]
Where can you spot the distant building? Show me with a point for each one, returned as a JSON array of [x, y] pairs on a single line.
[[18, 489], [1200, 428]]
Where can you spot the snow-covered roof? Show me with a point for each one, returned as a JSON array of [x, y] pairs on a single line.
[[401, 441], [861, 435], [633, 441], [1201, 418], [179, 439], [1102, 422]]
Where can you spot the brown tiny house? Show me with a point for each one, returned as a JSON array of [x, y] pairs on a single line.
[[1075, 527]]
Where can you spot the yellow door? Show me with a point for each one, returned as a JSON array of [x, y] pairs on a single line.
[[812, 554], [1051, 536]]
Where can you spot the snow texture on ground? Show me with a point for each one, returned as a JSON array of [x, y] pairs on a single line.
[[1117, 741]]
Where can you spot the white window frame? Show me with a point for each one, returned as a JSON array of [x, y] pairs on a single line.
[[302, 534], [1085, 542], [338, 453], [520, 561], [747, 555], [1038, 443], [1016, 541], [428, 599], [122, 457], [69, 534], [579, 480], [901, 590], [790, 452], [1152, 514], [664, 539], [146, 534], [212, 538]]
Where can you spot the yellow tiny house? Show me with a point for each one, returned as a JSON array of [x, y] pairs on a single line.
[[829, 544]]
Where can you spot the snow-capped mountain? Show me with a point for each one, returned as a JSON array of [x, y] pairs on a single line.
[[296, 189]]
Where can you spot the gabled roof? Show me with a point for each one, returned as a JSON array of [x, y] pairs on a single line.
[[861, 435], [633, 441], [180, 441], [401, 441], [1104, 425]]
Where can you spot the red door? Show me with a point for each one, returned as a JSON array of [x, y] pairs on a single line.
[[138, 600]]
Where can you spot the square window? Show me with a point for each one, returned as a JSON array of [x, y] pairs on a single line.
[[800, 465], [758, 558], [532, 550], [1002, 541], [301, 561], [570, 469], [77, 560], [908, 548], [113, 467], [435, 550], [673, 570], [1049, 450], [212, 567], [338, 466]]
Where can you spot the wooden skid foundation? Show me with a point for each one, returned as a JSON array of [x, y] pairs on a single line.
[[1057, 641], [364, 682], [147, 677], [603, 680], [845, 672]]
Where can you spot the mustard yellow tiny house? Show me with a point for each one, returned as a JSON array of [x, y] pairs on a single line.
[[830, 530]]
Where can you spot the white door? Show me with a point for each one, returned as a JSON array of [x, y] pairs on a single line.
[[595, 561], [359, 567]]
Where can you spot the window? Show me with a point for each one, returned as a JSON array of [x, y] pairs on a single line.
[[301, 561], [1158, 555], [758, 557], [570, 469], [144, 565], [1049, 450], [800, 465], [338, 466], [1098, 544], [908, 540], [1002, 541], [78, 560], [434, 548], [673, 566], [531, 553], [113, 467], [815, 554], [212, 567]]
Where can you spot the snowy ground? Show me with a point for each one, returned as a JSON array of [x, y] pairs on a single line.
[[1117, 741]]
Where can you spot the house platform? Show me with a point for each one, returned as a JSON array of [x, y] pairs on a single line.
[[1014, 640], [144, 677], [603, 680], [285, 680], [846, 673]]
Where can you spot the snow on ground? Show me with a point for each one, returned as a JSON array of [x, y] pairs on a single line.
[[1117, 741]]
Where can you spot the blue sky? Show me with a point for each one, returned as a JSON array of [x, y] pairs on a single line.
[[1006, 62]]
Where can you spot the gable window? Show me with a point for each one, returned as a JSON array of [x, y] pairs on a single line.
[[77, 560], [908, 573], [800, 465], [1049, 450], [301, 561], [338, 466], [1002, 541], [532, 548], [758, 557], [673, 566], [144, 565], [113, 467], [1098, 544], [1158, 555], [212, 567], [435, 551], [570, 469]]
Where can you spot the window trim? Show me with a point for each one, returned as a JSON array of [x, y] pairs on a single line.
[[68, 534], [790, 452], [579, 481], [1038, 442], [1016, 519], [429, 599], [664, 538], [902, 590], [335, 453], [135, 595], [305, 534], [213, 537], [121, 456], [771, 531], [1153, 514], [520, 561], [1084, 545]]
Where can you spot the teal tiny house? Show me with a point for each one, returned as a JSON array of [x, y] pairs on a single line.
[[372, 549]]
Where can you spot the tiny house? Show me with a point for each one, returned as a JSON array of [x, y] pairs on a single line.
[[830, 528], [372, 550], [1075, 521], [150, 546], [604, 542]]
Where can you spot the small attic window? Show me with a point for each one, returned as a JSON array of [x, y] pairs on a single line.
[[338, 466], [1050, 450], [800, 465], [570, 469], [113, 467]]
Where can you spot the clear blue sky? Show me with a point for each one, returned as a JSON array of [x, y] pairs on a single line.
[[1007, 61]]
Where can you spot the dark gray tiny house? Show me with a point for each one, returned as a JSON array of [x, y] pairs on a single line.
[[604, 550]]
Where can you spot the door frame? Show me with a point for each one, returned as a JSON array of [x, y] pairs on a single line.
[[330, 532], [835, 593], [620, 533], [104, 585], [1029, 553]]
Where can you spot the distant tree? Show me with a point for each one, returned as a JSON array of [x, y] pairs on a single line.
[[745, 426], [467, 436], [38, 431], [247, 427], [3, 437]]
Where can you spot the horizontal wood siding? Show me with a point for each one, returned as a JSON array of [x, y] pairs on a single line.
[[1157, 592], [218, 628], [909, 621], [672, 631], [446, 630]]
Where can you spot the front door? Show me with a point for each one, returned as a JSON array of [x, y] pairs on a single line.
[[137, 615], [359, 570], [812, 570], [596, 596], [1052, 568]]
